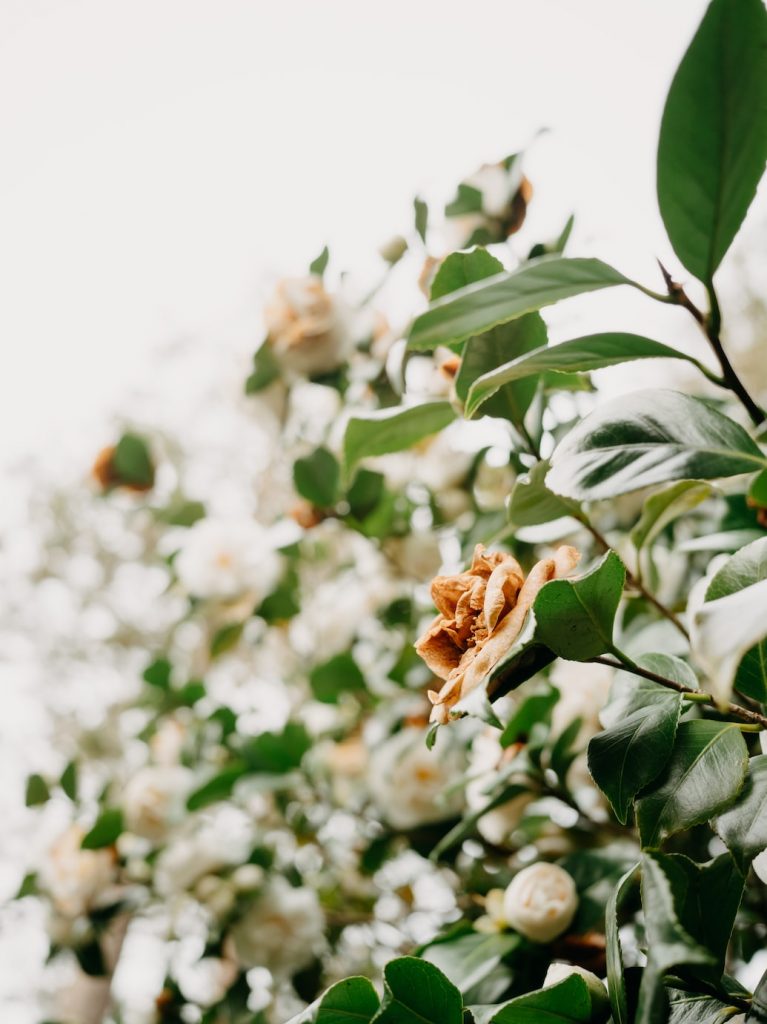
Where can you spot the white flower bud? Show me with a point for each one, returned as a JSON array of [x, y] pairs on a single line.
[[248, 877], [541, 901]]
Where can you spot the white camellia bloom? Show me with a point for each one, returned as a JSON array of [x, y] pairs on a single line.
[[600, 1002], [484, 762], [283, 930], [222, 558], [407, 781], [306, 327], [154, 799], [541, 901], [75, 878]]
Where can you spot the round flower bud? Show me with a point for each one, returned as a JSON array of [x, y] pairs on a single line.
[[247, 877], [393, 250], [540, 902], [600, 1003]]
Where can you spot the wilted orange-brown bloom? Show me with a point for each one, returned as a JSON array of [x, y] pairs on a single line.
[[481, 613]]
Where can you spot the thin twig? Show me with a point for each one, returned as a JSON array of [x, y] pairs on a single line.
[[752, 717]]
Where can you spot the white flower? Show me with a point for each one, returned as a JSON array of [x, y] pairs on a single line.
[[306, 327], [497, 186], [206, 981], [283, 929], [154, 800], [583, 692], [600, 1003], [222, 558], [541, 901], [484, 762], [76, 879], [222, 838], [407, 781]]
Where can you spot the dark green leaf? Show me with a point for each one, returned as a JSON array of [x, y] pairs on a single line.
[[265, 370], [391, 430], [535, 708], [568, 1002], [340, 674], [703, 776], [226, 638], [713, 137], [464, 268], [219, 787], [664, 507], [421, 215], [616, 985], [505, 297], [469, 960], [68, 780], [743, 826], [758, 1012], [158, 674], [283, 602], [37, 791], [580, 355], [277, 752], [416, 992], [106, 831], [353, 1001], [317, 477], [132, 462], [649, 437]]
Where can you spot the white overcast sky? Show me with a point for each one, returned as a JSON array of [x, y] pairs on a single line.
[[164, 159]]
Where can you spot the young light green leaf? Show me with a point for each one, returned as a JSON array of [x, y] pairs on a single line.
[[352, 1001], [713, 136], [504, 297], [531, 502], [616, 984], [645, 438], [580, 355], [704, 774], [575, 616], [463, 268], [629, 756], [391, 430], [417, 992], [487, 350], [665, 506], [746, 567], [743, 826]]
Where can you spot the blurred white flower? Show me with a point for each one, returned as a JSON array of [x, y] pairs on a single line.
[[76, 879], [541, 901], [154, 799], [282, 930], [222, 558], [485, 761], [407, 782], [306, 327], [206, 981], [208, 842], [583, 692]]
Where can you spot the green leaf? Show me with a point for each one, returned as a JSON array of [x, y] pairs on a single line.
[[628, 757], [421, 217], [462, 268], [535, 708], [132, 462], [416, 992], [485, 351], [352, 1001], [284, 601], [691, 1008], [703, 776], [568, 1002], [37, 791], [592, 352], [713, 136], [319, 265], [757, 491], [317, 477], [616, 985], [468, 200], [470, 960], [746, 567], [575, 616], [277, 753], [505, 297], [226, 638], [340, 674], [630, 693], [68, 780], [391, 430], [265, 370], [106, 831], [596, 873], [758, 1011], [219, 787], [645, 438], [158, 674], [743, 826], [665, 506], [531, 502]]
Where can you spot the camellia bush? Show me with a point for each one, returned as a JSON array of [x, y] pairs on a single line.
[[417, 682]]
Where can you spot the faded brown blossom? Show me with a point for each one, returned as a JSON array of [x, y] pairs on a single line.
[[481, 613]]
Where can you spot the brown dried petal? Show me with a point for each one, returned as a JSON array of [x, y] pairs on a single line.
[[501, 592], [438, 649]]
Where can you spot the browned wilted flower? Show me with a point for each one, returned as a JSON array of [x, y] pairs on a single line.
[[481, 613]]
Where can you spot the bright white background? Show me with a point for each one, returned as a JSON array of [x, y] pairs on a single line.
[[164, 159]]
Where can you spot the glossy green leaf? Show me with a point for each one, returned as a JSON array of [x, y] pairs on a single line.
[[630, 693], [616, 984], [317, 477], [505, 297], [391, 430], [352, 1001], [645, 438], [629, 756], [531, 502], [463, 268], [484, 351], [106, 831], [703, 776], [713, 136], [665, 506], [575, 616], [568, 1002], [743, 826], [417, 992], [580, 355]]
